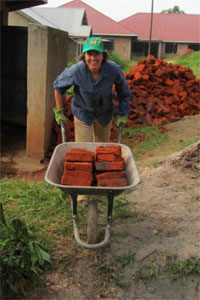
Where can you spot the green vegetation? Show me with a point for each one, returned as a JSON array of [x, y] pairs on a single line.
[[144, 139], [182, 268], [175, 10], [44, 225], [145, 273], [112, 271], [191, 60], [41, 206], [122, 63], [170, 267], [23, 259]]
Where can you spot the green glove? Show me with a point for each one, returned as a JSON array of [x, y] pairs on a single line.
[[122, 119], [59, 115]]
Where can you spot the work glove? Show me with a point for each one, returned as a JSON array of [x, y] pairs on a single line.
[[122, 119], [59, 115]]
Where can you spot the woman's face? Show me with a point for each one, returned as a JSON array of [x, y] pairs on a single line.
[[93, 60]]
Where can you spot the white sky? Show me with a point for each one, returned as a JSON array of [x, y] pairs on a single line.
[[121, 9]]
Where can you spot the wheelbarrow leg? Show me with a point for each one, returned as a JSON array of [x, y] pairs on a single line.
[[110, 207], [108, 225], [92, 221], [74, 204]]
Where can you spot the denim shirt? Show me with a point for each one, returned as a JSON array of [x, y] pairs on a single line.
[[94, 99]]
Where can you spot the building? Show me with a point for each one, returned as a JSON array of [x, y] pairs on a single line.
[[171, 33], [31, 58], [115, 36], [71, 20]]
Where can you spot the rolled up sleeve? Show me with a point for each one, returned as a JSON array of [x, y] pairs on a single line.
[[64, 81], [123, 93]]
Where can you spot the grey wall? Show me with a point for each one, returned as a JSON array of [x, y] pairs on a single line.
[[47, 57]]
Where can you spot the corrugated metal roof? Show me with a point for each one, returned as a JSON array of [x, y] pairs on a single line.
[[101, 24], [66, 19], [166, 27]]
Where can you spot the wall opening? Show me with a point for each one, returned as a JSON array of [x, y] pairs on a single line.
[[13, 87]]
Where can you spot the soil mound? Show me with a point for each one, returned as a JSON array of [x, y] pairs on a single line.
[[187, 159]]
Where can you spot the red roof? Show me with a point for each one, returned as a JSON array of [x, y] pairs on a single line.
[[100, 23], [166, 27]]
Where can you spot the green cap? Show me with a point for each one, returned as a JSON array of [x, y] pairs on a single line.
[[93, 43]]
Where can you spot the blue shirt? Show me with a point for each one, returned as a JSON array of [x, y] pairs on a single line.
[[94, 99]]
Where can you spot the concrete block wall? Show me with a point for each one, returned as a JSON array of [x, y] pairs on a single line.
[[47, 57], [122, 46], [16, 19], [181, 49]]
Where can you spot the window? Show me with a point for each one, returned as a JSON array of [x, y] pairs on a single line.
[[170, 47]]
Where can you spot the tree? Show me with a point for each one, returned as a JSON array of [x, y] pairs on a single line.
[[175, 10]]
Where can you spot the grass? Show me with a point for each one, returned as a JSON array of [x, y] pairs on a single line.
[[192, 61], [47, 211], [112, 271], [169, 267], [144, 139], [43, 208]]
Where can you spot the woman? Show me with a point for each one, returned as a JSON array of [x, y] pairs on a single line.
[[92, 106]]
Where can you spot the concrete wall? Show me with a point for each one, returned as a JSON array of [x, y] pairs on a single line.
[[122, 46], [47, 57], [72, 54], [16, 19], [181, 49]]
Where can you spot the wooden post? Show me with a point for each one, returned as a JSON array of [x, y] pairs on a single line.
[[151, 25]]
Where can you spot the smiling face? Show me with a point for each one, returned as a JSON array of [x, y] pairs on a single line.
[[93, 60]]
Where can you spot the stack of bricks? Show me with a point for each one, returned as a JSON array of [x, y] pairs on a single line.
[[104, 167], [109, 167], [78, 168]]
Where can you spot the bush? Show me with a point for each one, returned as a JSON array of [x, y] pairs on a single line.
[[122, 63], [22, 260]]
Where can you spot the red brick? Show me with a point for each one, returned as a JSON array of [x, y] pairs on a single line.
[[109, 149], [76, 157], [77, 178], [79, 150], [138, 76], [113, 182], [110, 166], [77, 181], [107, 157], [78, 166], [111, 175]]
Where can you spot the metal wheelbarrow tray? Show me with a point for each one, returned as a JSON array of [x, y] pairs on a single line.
[[55, 171]]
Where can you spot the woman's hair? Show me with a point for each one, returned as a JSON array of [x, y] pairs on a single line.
[[105, 57]]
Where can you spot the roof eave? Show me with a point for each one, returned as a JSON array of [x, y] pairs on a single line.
[[116, 34], [167, 41]]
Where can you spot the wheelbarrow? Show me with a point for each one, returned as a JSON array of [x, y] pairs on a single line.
[[53, 176]]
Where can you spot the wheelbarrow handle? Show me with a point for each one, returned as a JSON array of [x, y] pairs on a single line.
[[64, 139], [121, 125], [62, 124]]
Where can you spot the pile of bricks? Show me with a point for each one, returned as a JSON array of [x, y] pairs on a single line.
[[161, 92], [104, 167]]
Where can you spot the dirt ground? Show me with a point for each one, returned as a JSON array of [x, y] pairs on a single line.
[[165, 224]]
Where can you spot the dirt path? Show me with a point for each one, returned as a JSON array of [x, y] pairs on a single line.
[[145, 250]]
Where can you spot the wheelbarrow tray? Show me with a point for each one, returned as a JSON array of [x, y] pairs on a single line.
[[56, 167]]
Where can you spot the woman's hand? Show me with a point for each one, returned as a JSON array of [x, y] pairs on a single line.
[[121, 119], [59, 115]]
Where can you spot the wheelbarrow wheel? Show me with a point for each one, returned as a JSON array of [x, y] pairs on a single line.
[[92, 222]]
